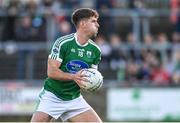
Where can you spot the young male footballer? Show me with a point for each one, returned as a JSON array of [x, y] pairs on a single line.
[[60, 96]]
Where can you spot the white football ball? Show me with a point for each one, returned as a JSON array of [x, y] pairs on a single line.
[[94, 80]]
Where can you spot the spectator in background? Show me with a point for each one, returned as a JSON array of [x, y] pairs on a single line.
[[2, 8], [131, 73], [149, 57], [116, 4], [159, 76], [169, 63], [13, 9], [137, 5], [175, 14], [87, 3], [133, 44], [131, 39], [144, 72], [48, 7], [117, 56], [176, 38], [29, 29], [30, 8], [148, 40], [23, 30], [115, 40], [70, 4], [104, 6], [162, 41], [63, 27], [105, 51], [176, 67], [176, 78]]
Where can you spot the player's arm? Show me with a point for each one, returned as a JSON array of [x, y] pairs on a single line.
[[54, 72]]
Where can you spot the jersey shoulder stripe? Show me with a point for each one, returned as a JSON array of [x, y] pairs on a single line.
[[63, 38], [55, 51], [94, 44], [65, 41]]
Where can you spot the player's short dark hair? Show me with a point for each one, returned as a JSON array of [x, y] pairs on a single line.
[[83, 13]]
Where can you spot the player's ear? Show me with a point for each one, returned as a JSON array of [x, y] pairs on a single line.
[[82, 23]]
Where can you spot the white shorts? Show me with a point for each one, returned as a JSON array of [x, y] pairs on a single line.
[[56, 107]]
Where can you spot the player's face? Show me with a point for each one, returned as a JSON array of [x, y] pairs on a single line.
[[92, 27]]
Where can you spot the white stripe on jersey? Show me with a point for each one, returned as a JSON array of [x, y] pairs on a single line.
[[55, 52], [59, 40], [93, 43]]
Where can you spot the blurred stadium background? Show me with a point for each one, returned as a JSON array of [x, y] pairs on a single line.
[[140, 43]]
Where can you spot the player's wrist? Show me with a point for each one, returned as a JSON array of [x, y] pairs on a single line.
[[72, 77]]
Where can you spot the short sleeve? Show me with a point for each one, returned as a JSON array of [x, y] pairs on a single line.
[[57, 51]]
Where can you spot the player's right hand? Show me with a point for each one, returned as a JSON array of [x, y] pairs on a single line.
[[80, 79]]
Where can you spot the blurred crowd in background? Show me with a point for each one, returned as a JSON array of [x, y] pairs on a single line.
[[29, 16], [152, 59]]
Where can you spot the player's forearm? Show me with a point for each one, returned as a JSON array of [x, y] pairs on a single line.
[[60, 75]]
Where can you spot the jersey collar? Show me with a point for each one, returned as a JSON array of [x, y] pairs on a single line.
[[77, 42]]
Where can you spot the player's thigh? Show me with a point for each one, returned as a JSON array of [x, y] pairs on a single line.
[[41, 117], [87, 116]]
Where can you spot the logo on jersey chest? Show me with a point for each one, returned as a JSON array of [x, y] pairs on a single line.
[[82, 52], [76, 65], [89, 54], [73, 50]]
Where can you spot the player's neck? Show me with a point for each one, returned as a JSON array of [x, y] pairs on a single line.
[[82, 38]]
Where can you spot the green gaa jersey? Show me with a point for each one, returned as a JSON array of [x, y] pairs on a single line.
[[73, 57]]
